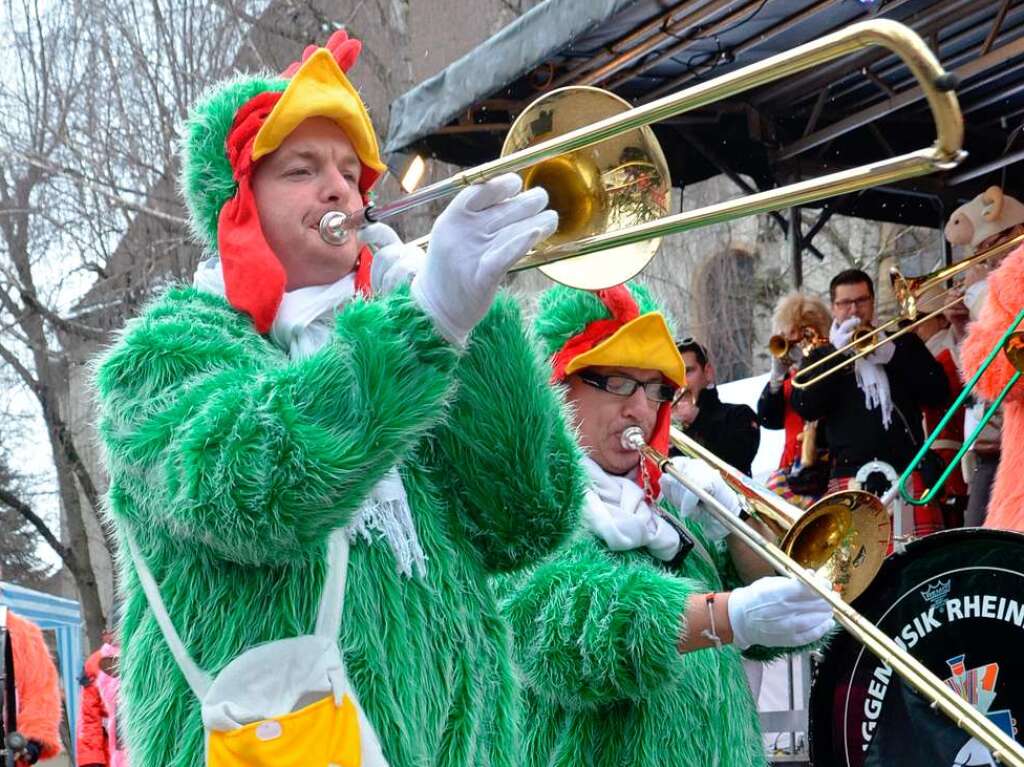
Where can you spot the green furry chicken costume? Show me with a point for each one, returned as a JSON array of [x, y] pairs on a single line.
[[595, 630], [230, 465]]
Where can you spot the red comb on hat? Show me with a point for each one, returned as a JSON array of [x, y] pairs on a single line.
[[345, 50]]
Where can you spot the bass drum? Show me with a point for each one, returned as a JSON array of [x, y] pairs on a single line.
[[955, 601]]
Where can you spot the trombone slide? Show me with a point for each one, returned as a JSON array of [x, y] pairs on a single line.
[[913, 672]]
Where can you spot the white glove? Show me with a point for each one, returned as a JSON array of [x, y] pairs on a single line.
[[778, 612], [842, 333], [394, 262], [689, 504], [482, 232]]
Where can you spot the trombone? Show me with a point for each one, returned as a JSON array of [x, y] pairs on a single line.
[[1012, 345], [909, 293], [571, 168], [1003, 747]]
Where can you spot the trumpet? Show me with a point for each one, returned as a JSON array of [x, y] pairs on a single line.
[[909, 293], [615, 198], [1003, 747], [781, 347]]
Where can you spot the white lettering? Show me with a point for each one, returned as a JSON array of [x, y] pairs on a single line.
[[909, 635], [988, 606], [953, 611], [929, 621], [867, 729], [1015, 612], [872, 708], [972, 606]]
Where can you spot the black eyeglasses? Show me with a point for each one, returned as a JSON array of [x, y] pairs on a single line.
[[624, 386]]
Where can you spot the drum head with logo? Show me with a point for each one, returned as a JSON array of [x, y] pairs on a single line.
[[955, 600]]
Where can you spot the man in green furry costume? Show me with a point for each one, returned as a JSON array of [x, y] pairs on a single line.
[[252, 417], [627, 639]]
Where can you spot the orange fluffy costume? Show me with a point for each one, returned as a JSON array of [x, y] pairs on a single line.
[[1005, 299], [36, 682]]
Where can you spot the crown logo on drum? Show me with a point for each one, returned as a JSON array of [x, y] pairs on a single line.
[[937, 593]]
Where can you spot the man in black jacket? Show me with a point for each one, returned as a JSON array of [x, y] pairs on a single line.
[[729, 431], [873, 407]]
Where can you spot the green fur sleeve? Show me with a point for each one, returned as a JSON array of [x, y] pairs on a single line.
[[591, 626], [215, 436], [511, 462]]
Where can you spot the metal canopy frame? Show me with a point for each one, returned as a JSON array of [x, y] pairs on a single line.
[[840, 115]]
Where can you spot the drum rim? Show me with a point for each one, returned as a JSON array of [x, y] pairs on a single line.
[[918, 547]]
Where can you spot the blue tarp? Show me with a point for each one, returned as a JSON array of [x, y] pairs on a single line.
[[64, 618]]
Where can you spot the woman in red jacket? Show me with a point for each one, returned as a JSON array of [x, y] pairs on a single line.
[[799, 319], [91, 748]]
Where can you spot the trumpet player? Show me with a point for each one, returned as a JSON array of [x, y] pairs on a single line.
[[629, 638], [801, 323], [872, 409]]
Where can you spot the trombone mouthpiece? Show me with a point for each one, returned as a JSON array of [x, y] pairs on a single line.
[[333, 227], [336, 225], [632, 438]]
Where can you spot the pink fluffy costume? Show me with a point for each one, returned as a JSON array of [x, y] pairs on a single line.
[[1005, 299]]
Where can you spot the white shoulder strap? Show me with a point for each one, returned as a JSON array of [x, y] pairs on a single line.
[[3, 616], [328, 619], [197, 679], [332, 595]]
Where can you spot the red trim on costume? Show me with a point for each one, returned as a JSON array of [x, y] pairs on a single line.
[[793, 426], [345, 50], [620, 303], [363, 272], [623, 308], [254, 279], [582, 342]]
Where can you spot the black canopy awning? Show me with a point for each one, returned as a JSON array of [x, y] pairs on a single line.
[[842, 114]]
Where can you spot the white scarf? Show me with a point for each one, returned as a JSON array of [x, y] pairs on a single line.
[[616, 511], [874, 382], [303, 325]]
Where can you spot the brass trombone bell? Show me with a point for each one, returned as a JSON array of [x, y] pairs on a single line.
[[909, 294], [843, 537], [612, 185], [624, 175]]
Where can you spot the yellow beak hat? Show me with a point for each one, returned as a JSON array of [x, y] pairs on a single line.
[[320, 89], [627, 338]]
